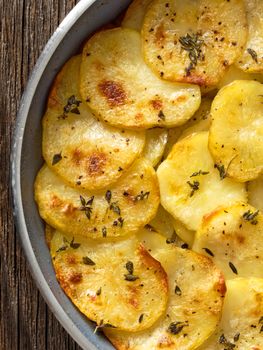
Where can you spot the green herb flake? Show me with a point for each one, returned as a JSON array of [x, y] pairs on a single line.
[[194, 186], [61, 249], [227, 344], [200, 172], [141, 196], [56, 158], [161, 115], [233, 268], [236, 337], [141, 318], [129, 267], [222, 171], [170, 240], [253, 54], [73, 244], [130, 278], [251, 217], [115, 208], [86, 205], [108, 196], [87, 261], [208, 251], [176, 327], [72, 105], [178, 291], [98, 291], [192, 44]]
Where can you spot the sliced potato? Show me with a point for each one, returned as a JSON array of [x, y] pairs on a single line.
[[134, 16], [255, 193], [193, 41], [183, 232], [236, 132], [199, 122], [233, 73], [123, 91], [194, 306], [252, 58], [156, 140], [80, 149], [232, 237], [241, 324], [162, 223], [121, 209], [112, 283], [190, 186]]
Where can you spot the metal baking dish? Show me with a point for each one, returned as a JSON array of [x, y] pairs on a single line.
[[26, 160]]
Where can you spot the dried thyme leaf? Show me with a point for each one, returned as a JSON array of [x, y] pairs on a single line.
[[141, 318], [140, 197], [178, 291], [56, 158], [253, 54], [161, 115], [192, 44], [115, 208], [61, 249], [200, 172], [104, 232], [232, 267], [108, 196], [87, 261], [222, 171], [208, 251], [86, 205], [227, 344], [129, 267], [74, 245], [250, 216], [194, 186], [98, 291], [130, 278], [176, 327]]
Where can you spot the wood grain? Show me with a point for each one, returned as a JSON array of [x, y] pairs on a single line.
[[25, 321]]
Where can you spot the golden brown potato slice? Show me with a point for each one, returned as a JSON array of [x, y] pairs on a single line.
[[112, 283], [232, 237], [233, 73], [236, 132], [121, 209], [191, 186], [251, 59], [83, 151], [255, 193], [135, 14], [122, 89], [199, 122], [194, 307], [162, 223], [193, 41], [156, 140], [241, 324]]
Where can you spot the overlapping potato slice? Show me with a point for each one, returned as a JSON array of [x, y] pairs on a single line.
[[156, 140], [233, 238], [183, 232], [162, 223], [199, 122], [121, 209], [123, 91], [233, 73], [191, 186], [83, 151], [112, 283], [134, 16], [194, 306], [255, 193], [236, 132], [252, 58], [193, 41], [242, 322]]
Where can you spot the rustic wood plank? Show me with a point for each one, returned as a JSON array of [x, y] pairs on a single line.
[[25, 321]]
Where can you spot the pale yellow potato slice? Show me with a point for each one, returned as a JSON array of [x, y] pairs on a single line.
[[233, 73], [236, 132], [199, 122], [241, 324], [255, 193], [162, 223], [83, 151], [134, 16], [124, 92], [195, 301], [251, 59], [193, 41], [232, 237], [155, 143], [112, 283], [121, 209], [183, 232], [191, 186]]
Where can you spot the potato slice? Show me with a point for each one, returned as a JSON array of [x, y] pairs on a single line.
[[190, 185], [112, 283], [183, 232], [236, 132], [233, 73], [134, 16], [255, 193], [156, 140], [232, 237], [121, 209], [252, 58], [162, 223], [199, 122], [80, 149], [123, 91], [241, 324], [194, 306], [193, 41]]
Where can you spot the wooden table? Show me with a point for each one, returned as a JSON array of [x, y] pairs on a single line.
[[25, 321]]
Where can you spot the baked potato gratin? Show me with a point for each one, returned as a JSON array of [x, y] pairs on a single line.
[[152, 187]]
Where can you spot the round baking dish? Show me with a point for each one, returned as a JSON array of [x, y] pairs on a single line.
[[26, 160]]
